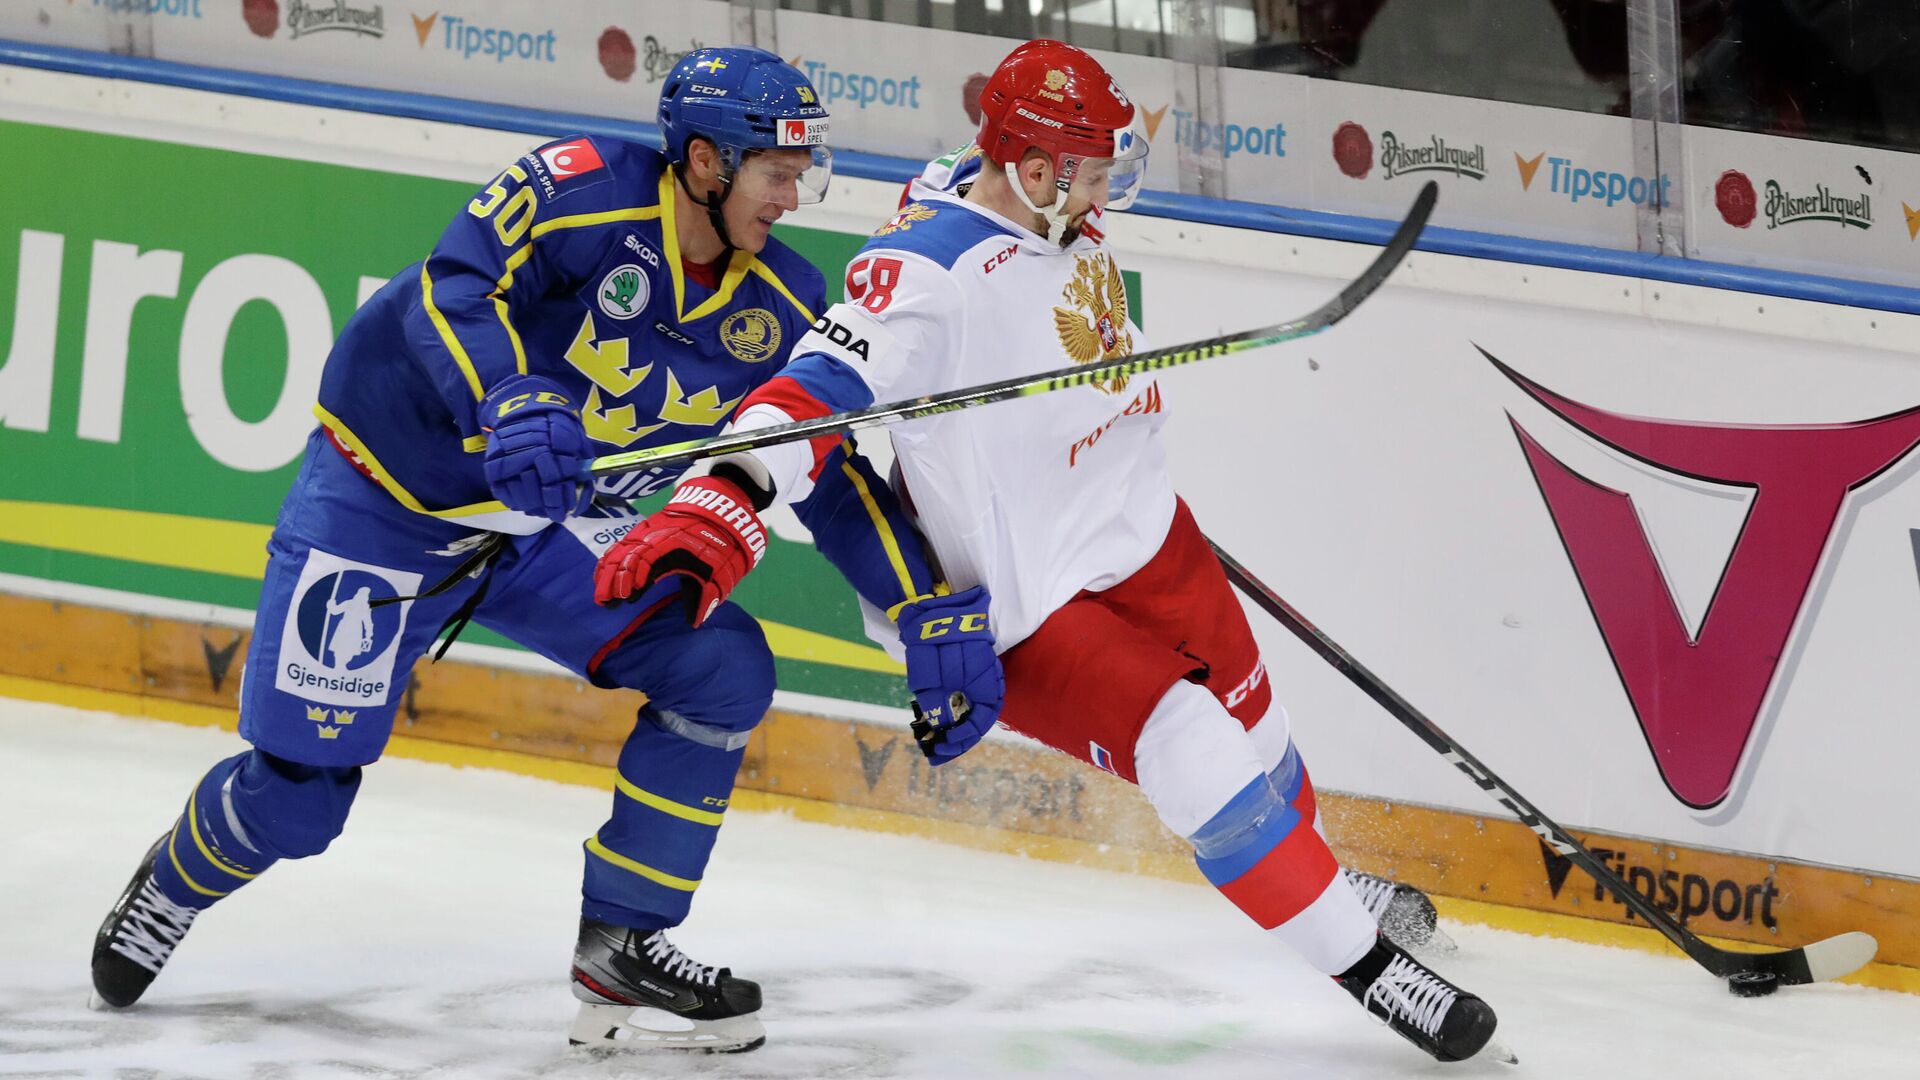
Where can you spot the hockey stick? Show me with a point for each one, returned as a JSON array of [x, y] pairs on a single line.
[[1320, 319], [1747, 974]]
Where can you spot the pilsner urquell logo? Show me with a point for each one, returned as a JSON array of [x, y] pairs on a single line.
[[1399, 158], [304, 19], [1785, 208]]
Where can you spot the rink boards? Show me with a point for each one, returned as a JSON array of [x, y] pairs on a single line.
[[1699, 630], [1008, 795]]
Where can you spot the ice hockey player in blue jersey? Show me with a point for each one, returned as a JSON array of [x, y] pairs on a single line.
[[596, 296]]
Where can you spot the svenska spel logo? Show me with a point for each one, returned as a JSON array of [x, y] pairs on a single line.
[[339, 644]]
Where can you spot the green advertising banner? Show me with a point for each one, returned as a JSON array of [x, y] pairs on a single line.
[[171, 308]]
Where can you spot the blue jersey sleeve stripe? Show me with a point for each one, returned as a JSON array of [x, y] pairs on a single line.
[[831, 381]]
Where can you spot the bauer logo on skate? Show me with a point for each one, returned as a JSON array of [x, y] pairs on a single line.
[[336, 645]]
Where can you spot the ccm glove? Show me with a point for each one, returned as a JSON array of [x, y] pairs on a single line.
[[707, 535], [954, 673], [536, 448]]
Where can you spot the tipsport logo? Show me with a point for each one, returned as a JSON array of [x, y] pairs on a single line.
[[1566, 177], [176, 9], [860, 89], [496, 43], [1699, 695], [338, 644], [1225, 137]]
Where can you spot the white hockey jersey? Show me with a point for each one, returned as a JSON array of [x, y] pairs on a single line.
[[1037, 498]]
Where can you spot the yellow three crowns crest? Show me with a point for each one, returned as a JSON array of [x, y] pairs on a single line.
[[1095, 327]]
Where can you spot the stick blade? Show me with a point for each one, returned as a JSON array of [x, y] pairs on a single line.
[[1840, 955]]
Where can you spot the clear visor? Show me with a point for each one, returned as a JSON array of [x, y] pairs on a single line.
[[786, 177], [1110, 182]]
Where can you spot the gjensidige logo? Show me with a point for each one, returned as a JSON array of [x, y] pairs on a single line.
[[338, 646], [1783, 207], [304, 18]]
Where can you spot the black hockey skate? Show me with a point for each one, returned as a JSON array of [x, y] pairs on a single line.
[[1425, 1009], [1402, 912], [626, 979], [139, 935]]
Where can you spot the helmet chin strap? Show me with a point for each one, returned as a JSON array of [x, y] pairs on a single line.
[[1055, 215], [712, 204]]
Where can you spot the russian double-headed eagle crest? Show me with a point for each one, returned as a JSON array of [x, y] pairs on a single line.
[[1095, 327], [903, 220]]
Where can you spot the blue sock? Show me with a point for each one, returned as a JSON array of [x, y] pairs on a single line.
[[208, 854]]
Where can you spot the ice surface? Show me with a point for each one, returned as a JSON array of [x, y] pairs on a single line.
[[433, 940]]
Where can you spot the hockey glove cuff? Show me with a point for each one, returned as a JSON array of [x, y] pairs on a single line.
[[707, 536], [535, 448], [953, 672]]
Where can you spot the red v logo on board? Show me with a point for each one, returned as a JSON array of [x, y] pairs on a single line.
[[1698, 698]]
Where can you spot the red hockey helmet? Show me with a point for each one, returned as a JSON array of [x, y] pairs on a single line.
[[1056, 98]]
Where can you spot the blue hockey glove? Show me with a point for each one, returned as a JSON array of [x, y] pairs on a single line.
[[954, 674], [535, 448]]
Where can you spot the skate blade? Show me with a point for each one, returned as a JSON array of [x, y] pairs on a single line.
[[1497, 1051], [100, 1004], [1438, 944], [624, 1027]]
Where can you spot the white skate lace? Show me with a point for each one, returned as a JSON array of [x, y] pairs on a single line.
[[677, 964], [152, 927], [1375, 892], [1416, 995]]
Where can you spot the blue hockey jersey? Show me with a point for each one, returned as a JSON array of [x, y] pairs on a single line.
[[567, 266]]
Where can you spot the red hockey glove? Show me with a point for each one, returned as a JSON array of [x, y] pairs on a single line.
[[707, 534]]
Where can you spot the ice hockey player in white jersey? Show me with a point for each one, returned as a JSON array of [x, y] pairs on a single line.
[[1055, 522]]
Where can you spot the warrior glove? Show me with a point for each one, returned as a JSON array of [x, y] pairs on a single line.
[[954, 674], [707, 535], [535, 448]]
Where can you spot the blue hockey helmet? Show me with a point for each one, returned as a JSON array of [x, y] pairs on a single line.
[[744, 100]]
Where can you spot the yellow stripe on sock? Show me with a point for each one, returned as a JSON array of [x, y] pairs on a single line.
[[665, 805], [191, 884], [193, 826], [658, 876]]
